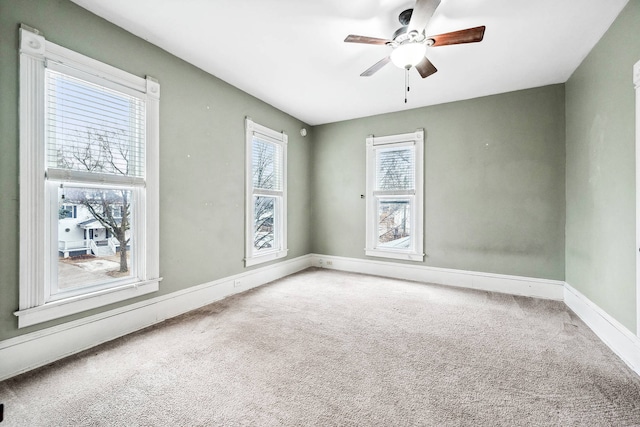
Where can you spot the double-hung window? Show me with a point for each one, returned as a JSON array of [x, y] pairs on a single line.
[[266, 194], [394, 196], [88, 182]]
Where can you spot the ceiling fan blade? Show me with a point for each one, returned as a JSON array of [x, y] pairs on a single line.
[[375, 67], [470, 35], [426, 68], [366, 40], [422, 13]]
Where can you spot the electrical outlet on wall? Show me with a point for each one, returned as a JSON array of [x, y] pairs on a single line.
[[329, 263], [236, 283], [320, 262]]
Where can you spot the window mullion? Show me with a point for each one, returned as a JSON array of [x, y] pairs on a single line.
[[65, 175], [383, 193], [263, 192]]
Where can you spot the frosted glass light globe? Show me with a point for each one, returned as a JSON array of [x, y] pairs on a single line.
[[408, 55]]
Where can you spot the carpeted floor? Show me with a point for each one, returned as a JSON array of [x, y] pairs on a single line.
[[328, 348]]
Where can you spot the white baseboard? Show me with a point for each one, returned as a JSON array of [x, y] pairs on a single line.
[[619, 339], [616, 336], [29, 351], [515, 285]]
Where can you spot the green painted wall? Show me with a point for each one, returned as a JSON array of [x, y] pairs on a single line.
[[495, 197], [201, 152], [494, 182], [600, 111]]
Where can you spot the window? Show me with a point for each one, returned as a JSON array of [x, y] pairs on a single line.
[[117, 210], [68, 211], [394, 196], [266, 200], [88, 224]]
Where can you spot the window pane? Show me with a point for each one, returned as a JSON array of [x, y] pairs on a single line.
[[395, 168], [263, 222], [92, 128], [266, 165], [394, 223], [67, 211], [94, 246]]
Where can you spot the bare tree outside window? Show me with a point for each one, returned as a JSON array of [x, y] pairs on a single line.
[[265, 177], [394, 224], [395, 171], [264, 208], [264, 166], [102, 152]]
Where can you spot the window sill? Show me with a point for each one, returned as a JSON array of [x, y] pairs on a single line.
[[248, 262], [65, 307], [407, 256]]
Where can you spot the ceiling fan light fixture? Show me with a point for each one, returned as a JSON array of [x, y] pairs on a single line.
[[408, 55]]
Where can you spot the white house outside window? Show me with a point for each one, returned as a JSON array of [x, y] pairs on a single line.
[[266, 194], [89, 182], [394, 196]]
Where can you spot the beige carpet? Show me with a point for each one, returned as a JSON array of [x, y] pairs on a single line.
[[327, 348]]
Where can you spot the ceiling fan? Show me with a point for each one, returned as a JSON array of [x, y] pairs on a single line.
[[410, 43]]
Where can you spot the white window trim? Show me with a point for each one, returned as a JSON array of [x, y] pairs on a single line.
[[280, 222], [35, 258], [373, 143], [636, 84]]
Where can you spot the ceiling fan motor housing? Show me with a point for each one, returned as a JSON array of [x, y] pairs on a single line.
[[400, 35], [405, 17]]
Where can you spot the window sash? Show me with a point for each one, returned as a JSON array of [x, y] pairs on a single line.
[[77, 127], [261, 233], [409, 225], [266, 163], [277, 196], [395, 168], [54, 290]]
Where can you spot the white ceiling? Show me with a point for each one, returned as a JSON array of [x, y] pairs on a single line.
[[291, 54]]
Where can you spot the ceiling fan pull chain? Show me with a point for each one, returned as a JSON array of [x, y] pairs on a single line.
[[406, 84]]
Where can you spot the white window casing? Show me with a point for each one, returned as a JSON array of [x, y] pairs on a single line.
[[260, 139], [636, 84], [38, 184], [394, 196]]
